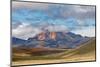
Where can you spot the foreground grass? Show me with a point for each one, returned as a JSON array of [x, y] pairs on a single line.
[[43, 55], [34, 58]]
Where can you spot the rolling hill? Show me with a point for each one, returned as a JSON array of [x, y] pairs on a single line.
[[88, 47], [85, 52]]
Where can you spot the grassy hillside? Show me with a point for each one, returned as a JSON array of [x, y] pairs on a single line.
[[86, 50], [35, 53], [87, 47]]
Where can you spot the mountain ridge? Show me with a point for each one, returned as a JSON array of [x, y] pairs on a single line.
[[52, 40]]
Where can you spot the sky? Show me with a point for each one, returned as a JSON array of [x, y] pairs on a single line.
[[31, 18]]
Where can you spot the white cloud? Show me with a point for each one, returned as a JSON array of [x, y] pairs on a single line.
[[56, 28], [25, 31], [83, 9], [88, 31]]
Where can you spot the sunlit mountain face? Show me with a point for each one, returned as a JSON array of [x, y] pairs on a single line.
[[53, 35], [42, 36]]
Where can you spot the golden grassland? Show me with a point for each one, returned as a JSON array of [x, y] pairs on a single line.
[[24, 56]]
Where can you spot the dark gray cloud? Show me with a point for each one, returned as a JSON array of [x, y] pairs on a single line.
[[79, 12], [30, 5], [58, 10]]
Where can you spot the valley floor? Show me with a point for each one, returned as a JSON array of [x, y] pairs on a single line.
[[87, 52], [75, 58]]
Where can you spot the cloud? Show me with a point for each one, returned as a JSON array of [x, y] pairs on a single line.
[[59, 28], [29, 5], [87, 31], [31, 18], [15, 24], [25, 31], [57, 10], [79, 11]]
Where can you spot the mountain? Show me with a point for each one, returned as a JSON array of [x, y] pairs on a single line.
[[52, 40], [18, 41]]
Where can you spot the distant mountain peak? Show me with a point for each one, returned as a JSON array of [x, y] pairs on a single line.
[[52, 40]]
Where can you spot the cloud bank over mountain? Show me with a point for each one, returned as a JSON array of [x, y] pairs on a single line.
[[29, 19]]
